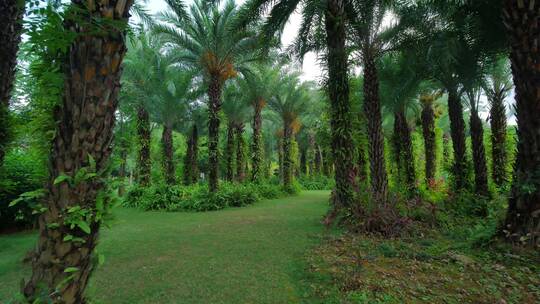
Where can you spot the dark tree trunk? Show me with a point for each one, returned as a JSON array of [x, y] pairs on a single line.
[[457, 131], [303, 161], [240, 155], [169, 171], [326, 161], [256, 147], [479, 154], [404, 151], [11, 13], [498, 140], [340, 119], [318, 160], [287, 160], [229, 151], [143, 131], [214, 106], [84, 134], [372, 110], [523, 218], [280, 159], [191, 171], [428, 131]]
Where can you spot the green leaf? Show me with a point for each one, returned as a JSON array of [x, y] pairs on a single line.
[[15, 202], [92, 162], [84, 226], [101, 259], [71, 269], [61, 178], [68, 238]]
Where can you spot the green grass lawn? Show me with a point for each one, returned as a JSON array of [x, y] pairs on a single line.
[[244, 255]]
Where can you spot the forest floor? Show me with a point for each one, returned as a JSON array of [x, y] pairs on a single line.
[[277, 251]]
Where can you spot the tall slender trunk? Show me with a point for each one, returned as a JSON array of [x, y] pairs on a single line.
[[11, 13], [340, 117], [523, 217], [280, 158], [144, 163], [229, 152], [457, 131], [479, 154], [405, 157], [191, 174], [240, 155], [256, 147], [303, 161], [61, 268], [497, 115], [214, 106], [169, 171], [372, 110], [287, 160], [428, 131]]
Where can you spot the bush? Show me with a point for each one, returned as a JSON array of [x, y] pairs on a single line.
[[318, 182], [197, 197]]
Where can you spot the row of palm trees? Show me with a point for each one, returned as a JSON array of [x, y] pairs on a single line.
[[461, 36]]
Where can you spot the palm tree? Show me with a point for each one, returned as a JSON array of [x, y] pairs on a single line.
[[522, 21], [337, 67], [288, 103], [428, 116], [61, 267], [191, 168], [206, 40], [11, 13], [497, 86]]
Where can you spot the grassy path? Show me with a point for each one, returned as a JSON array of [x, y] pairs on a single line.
[[244, 255]]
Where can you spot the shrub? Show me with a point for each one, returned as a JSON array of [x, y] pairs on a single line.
[[318, 182], [197, 197]]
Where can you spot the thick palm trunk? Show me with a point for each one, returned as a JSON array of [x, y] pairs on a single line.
[[372, 110], [168, 162], [428, 131], [457, 131], [498, 140], [144, 163], [11, 13], [340, 120], [229, 151], [280, 158], [479, 155], [404, 153], [256, 147], [287, 160], [240, 155], [214, 106], [61, 268], [191, 172], [523, 217]]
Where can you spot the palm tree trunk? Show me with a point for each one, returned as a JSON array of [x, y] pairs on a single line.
[[191, 172], [406, 155], [479, 154], [303, 161], [372, 110], [287, 160], [523, 217], [61, 268], [457, 131], [168, 162], [340, 120], [498, 140], [318, 160], [229, 151], [214, 97], [240, 155], [143, 132], [256, 147], [280, 158], [11, 13], [428, 131]]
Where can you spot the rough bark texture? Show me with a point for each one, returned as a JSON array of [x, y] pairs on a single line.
[[479, 155], [214, 106], [169, 170], [372, 110], [229, 152], [287, 160], [240, 155], [191, 171], [340, 119], [522, 21], [404, 152], [11, 13], [457, 131], [428, 131], [497, 115], [84, 132], [144, 163], [256, 147]]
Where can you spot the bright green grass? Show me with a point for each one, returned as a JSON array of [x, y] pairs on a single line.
[[243, 255]]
